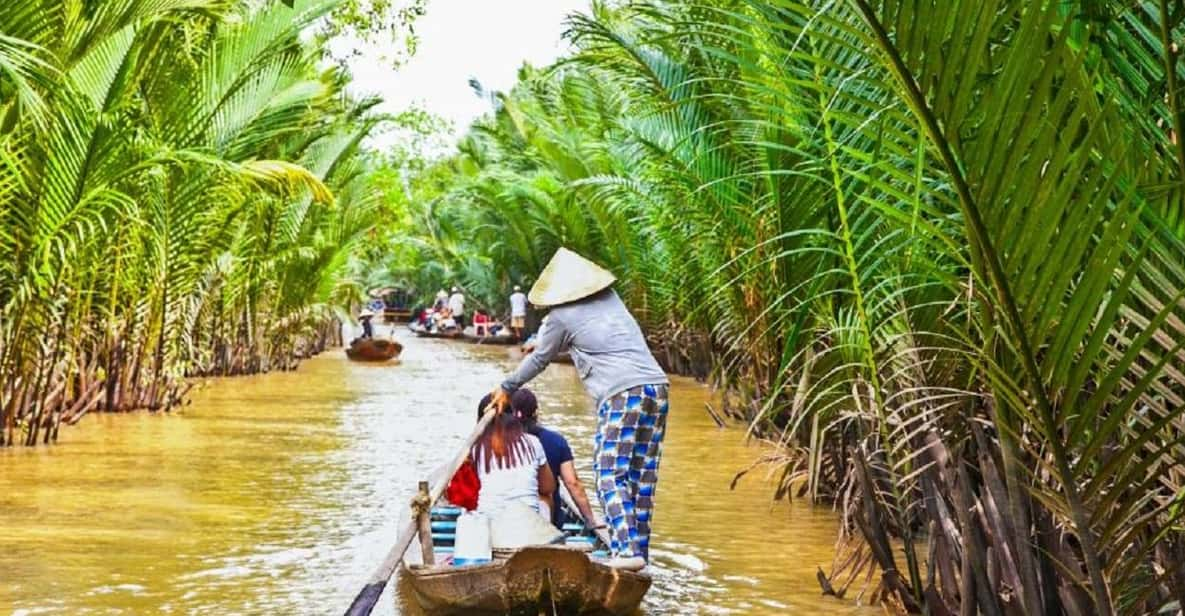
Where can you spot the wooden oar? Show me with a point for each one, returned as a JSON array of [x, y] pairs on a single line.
[[369, 596]]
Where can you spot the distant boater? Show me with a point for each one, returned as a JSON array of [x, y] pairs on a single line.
[[518, 312], [456, 305], [364, 318], [590, 321]]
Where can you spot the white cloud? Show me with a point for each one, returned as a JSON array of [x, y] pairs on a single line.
[[460, 39]]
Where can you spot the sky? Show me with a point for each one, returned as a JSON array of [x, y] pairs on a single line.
[[460, 39]]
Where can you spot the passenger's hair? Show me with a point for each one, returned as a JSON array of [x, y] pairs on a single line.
[[503, 441], [526, 408]]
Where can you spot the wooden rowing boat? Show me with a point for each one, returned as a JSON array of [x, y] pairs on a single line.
[[530, 581], [572, 579], [564, 579], [496, 339], [373, 349], [423, 333]]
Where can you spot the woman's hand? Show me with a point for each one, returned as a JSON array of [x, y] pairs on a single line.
[[499, 399]]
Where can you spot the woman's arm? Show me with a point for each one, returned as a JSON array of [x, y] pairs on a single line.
[[547, 485], [551, 339], [576, 489]]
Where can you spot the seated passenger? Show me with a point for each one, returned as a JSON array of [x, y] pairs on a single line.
[[445, 320], [517, 485], [481, 323], [559, 458]]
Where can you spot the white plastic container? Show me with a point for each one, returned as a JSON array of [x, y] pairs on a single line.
[[472, 546]]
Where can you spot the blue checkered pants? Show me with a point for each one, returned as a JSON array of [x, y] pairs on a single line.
[[630, 428]]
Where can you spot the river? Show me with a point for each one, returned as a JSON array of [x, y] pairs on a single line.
[[280, 493]]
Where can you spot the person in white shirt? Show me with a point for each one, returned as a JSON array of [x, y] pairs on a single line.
[[456, 305], [518, 312], [517, 485]]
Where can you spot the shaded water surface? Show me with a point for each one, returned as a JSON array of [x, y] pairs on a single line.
[[280, 493]]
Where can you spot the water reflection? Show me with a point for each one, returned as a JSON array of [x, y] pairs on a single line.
[[280, 493]]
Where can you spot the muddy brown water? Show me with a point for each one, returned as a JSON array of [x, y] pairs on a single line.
[[280, 493]]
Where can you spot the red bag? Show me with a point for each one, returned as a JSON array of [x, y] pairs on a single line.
[[463, 487]]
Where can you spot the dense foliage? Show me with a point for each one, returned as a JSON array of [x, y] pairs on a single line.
[[935, 248], [180, 189]]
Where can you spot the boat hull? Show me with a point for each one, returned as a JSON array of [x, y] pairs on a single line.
[[503, 340], [374, 350], [531, 579], [421, 333]]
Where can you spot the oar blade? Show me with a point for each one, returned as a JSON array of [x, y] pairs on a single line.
[[367, 599]]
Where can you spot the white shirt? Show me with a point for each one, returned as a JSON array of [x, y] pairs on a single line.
[[518, 304], [456, 304], [502, 486]]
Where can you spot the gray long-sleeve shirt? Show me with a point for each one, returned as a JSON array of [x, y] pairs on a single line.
[[605, 342]]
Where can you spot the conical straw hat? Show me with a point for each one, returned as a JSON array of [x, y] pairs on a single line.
[[567, 278]]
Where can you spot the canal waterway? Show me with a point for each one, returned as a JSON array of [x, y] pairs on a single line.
[[280, 493]]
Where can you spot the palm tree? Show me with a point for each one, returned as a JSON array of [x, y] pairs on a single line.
[[169, 172]]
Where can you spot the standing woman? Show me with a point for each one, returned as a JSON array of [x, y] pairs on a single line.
[[590, 321]]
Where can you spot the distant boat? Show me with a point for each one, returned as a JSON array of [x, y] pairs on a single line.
[[564, 579], [503, 337], [396, 304], [373, 349], [424, 333]]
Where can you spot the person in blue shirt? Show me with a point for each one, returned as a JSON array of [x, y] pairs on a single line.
[[559, 458]]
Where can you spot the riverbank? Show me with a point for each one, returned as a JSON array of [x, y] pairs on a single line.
[[280, 492]]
